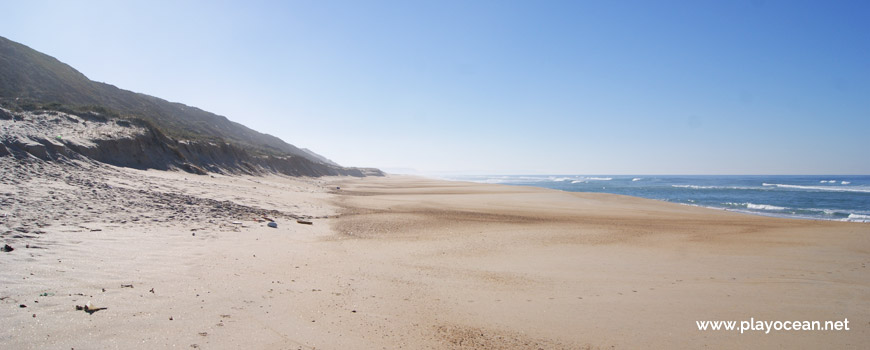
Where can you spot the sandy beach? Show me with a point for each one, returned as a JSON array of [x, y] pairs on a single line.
[[187, 261], [598, 175]]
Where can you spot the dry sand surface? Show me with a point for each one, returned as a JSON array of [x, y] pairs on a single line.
[[403, 262]]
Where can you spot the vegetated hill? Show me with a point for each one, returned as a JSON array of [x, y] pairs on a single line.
[[31, 78], [33, 81], [322, 159]]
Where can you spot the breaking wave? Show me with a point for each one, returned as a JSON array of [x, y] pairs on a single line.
[[763, 207], [820, 188], [805, 197], [754, 206], [698, 187], [587, 179]]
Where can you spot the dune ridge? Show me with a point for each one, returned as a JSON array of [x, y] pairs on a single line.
[[59, 136]]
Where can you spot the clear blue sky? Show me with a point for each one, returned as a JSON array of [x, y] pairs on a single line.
[[498, 87]]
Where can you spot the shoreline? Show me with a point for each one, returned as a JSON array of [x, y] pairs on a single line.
[[766, 210], [626, 260], [415, 263]]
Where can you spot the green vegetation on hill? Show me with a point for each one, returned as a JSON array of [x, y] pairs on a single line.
[[32, 80]]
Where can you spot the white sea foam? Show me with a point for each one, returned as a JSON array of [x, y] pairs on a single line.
[[830, 181], [699, 187], [821, 188], [585, 180], [754, 206], [637, 179], [845, 183], [775, 211], [763, 207], [695, 187], [839, 211]]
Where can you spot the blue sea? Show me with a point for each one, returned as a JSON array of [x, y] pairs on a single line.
[[841, 198]]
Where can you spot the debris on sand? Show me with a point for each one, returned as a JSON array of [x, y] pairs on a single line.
[[89, 308], [272, 224], [7, 248], [304, 222]]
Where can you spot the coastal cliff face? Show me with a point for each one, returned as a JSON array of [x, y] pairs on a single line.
[[50, 111], [58, 136], [30, 78]]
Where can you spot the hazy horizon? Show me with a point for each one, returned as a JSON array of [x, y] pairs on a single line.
[[495, 87], [411, 171]]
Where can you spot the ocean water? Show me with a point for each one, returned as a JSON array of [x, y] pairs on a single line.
[[842, 198]]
